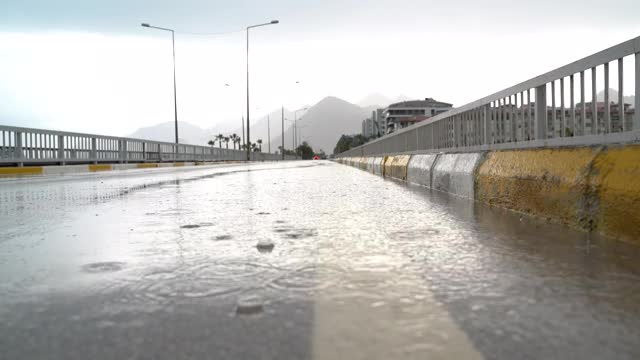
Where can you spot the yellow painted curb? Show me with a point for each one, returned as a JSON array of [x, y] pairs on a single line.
[[396, 166], [363, 163], [178, 164], [617, 174], [146, 166], [25, 170], [386, 166], [552, 183], [100, 167]]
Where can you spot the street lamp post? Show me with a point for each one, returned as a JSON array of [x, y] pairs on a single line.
[[241, 124], [295, 126], [175, 102], [282, 132], [273, 22]]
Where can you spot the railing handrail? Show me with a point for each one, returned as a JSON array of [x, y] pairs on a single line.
[[70, 133], [615, 52]]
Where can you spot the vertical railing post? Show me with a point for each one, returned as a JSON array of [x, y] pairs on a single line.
[[623, 126], [607, 106], [514, 117], [487, 125], [541, 112], [17, 142], [456, 131], [61, 149], [636, 116], [563, 116], [583, 106], [121, 151], [94, 150], [574, 126], [144, 151], [594, 103]]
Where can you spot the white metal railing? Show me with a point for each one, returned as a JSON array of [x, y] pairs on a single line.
[[19, 146], [548, 110]]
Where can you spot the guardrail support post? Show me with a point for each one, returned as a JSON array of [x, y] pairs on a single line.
[[486, 140], [541, 112], [455, 131], [121, 151], [18, 147], [61, 149], [636, 116], [144, 151], [94, 150]]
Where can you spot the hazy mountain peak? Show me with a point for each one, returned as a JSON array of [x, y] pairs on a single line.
[[613, 97], [375, 99]]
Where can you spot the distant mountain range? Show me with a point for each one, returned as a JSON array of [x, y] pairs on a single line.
[[187, 133], [378, 100], [613, 96], [321, 125]]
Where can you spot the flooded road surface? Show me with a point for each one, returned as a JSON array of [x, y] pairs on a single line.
[[166, 265]]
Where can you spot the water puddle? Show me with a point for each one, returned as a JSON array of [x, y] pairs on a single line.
[[103, 267]]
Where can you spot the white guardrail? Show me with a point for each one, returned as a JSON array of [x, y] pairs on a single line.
[[20, 146], [548, 110]]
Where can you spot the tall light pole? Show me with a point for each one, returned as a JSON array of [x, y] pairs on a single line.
[[173, 45], [241, 124], [282, 132], [295, 125], [273, 22]]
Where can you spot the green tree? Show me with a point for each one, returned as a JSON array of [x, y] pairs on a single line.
[[286, 151], [226, 141], [347, 142], [211, 143], [236, 141], [305, 151], [259, 141], [219, 137]]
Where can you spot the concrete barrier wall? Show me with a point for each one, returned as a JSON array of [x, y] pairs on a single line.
[[595, 189], [553, 183], [377, 165], [455, 173], [396, 166], [79, 169], [616, 173], [370, 164], [363, 163], [419, 169]]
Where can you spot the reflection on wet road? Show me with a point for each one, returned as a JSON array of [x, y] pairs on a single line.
[[307, 260]]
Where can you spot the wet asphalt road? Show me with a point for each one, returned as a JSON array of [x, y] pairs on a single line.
[[158, 265]]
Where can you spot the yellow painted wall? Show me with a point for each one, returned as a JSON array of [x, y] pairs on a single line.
[[617, 174], [25, 170], [100, 167], [386, 166], [146, 166], [396, 166], [552, 183]]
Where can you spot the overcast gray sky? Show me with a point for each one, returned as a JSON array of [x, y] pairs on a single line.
[[87, 65]]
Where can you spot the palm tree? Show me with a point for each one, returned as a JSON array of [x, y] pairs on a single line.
[[254, 147], [226, 141], [211, 143], [259, 141], [236, 140], [233, 140], [219, 137]]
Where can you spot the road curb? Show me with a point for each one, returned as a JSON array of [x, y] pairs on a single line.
[[591, 188]]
